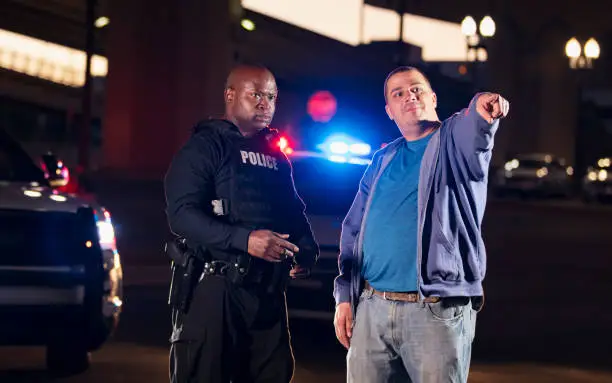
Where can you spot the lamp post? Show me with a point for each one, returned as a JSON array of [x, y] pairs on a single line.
[[84, 137], [581, 59], [476, 36]]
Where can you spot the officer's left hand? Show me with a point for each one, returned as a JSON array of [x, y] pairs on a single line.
[[299, 272], [492, 106]]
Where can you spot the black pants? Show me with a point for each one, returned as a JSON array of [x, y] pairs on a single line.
[[232, 333]]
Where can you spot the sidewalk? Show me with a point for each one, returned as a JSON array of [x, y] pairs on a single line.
[[526, 373], [137, 363]]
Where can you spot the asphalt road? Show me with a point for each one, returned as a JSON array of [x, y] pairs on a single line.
[[546, 317]]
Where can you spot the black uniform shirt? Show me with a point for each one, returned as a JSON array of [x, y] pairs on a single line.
[[201, 172]]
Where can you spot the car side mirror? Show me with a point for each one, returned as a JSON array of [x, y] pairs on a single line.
[[55, 171]]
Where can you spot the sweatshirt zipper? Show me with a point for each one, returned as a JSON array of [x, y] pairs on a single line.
[[430, 182]]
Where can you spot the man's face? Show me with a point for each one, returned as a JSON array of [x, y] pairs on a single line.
[[252, 101], [410, 99]]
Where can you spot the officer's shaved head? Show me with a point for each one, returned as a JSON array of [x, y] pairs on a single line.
[[250, 98], [243, 73]]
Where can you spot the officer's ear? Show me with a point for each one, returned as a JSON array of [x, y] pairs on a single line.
[[229, 95]]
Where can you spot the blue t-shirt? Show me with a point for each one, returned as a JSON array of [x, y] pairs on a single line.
[[390, 236]]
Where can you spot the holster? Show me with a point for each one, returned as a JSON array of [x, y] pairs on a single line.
[[186, 269]]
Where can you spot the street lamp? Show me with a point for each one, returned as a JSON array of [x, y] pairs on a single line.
[[476, 35], [582, 58]]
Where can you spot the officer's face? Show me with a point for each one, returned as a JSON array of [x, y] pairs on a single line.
[[252, 101]]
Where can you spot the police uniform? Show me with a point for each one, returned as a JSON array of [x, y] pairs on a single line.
[[220, 187]]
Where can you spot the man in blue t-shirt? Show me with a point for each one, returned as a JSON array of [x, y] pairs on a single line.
[[390, 238], [412, 258]]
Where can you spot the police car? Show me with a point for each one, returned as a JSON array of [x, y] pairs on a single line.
[[60, 271], [327, 178]]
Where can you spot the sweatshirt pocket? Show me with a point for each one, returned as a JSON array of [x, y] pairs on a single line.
[[443, 260]]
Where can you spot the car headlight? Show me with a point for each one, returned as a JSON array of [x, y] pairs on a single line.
[[511, 165], [106, 232], [602, 175], [542, 172], [592, 176], [597, 175]]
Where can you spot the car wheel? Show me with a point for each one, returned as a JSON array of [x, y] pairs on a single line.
[[67, 359]]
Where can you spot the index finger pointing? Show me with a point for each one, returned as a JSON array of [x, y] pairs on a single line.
[[489, 97], [287, 245]]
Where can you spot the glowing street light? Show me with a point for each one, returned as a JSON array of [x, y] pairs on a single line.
[[475, 34], [101, 22], [247, 24], [591, 49], [468, 26], [573, 48], [487, 26], [580, 58]]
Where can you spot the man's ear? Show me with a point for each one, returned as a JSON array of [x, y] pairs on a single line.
[[388, 112], [229, 95], [435, 100]]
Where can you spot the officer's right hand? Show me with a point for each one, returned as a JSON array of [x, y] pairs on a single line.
[[270, 246], [343, 323]]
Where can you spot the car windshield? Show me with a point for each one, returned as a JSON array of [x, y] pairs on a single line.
[[15, 164], [326, 187]]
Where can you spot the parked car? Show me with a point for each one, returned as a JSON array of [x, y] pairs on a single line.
[[60, 269], [534, 174], [597, 182]]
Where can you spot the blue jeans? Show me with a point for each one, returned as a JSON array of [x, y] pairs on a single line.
[[410, 342]]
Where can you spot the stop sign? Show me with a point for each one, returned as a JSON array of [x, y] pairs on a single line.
[[322, 106]]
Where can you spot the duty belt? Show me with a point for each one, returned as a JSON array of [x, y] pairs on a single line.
[[400, 296], [233, 271], [216, 268]]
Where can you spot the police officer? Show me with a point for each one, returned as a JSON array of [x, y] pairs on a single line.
[[230, 193]]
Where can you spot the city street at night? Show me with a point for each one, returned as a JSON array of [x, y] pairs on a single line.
[[137, 136], [544, 318]]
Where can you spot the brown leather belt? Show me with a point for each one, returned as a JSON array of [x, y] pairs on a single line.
[[400, 297]]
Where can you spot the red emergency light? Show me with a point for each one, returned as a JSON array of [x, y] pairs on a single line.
[[283, 144]]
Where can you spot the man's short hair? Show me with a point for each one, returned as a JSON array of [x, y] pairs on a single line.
[[402, 69]]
